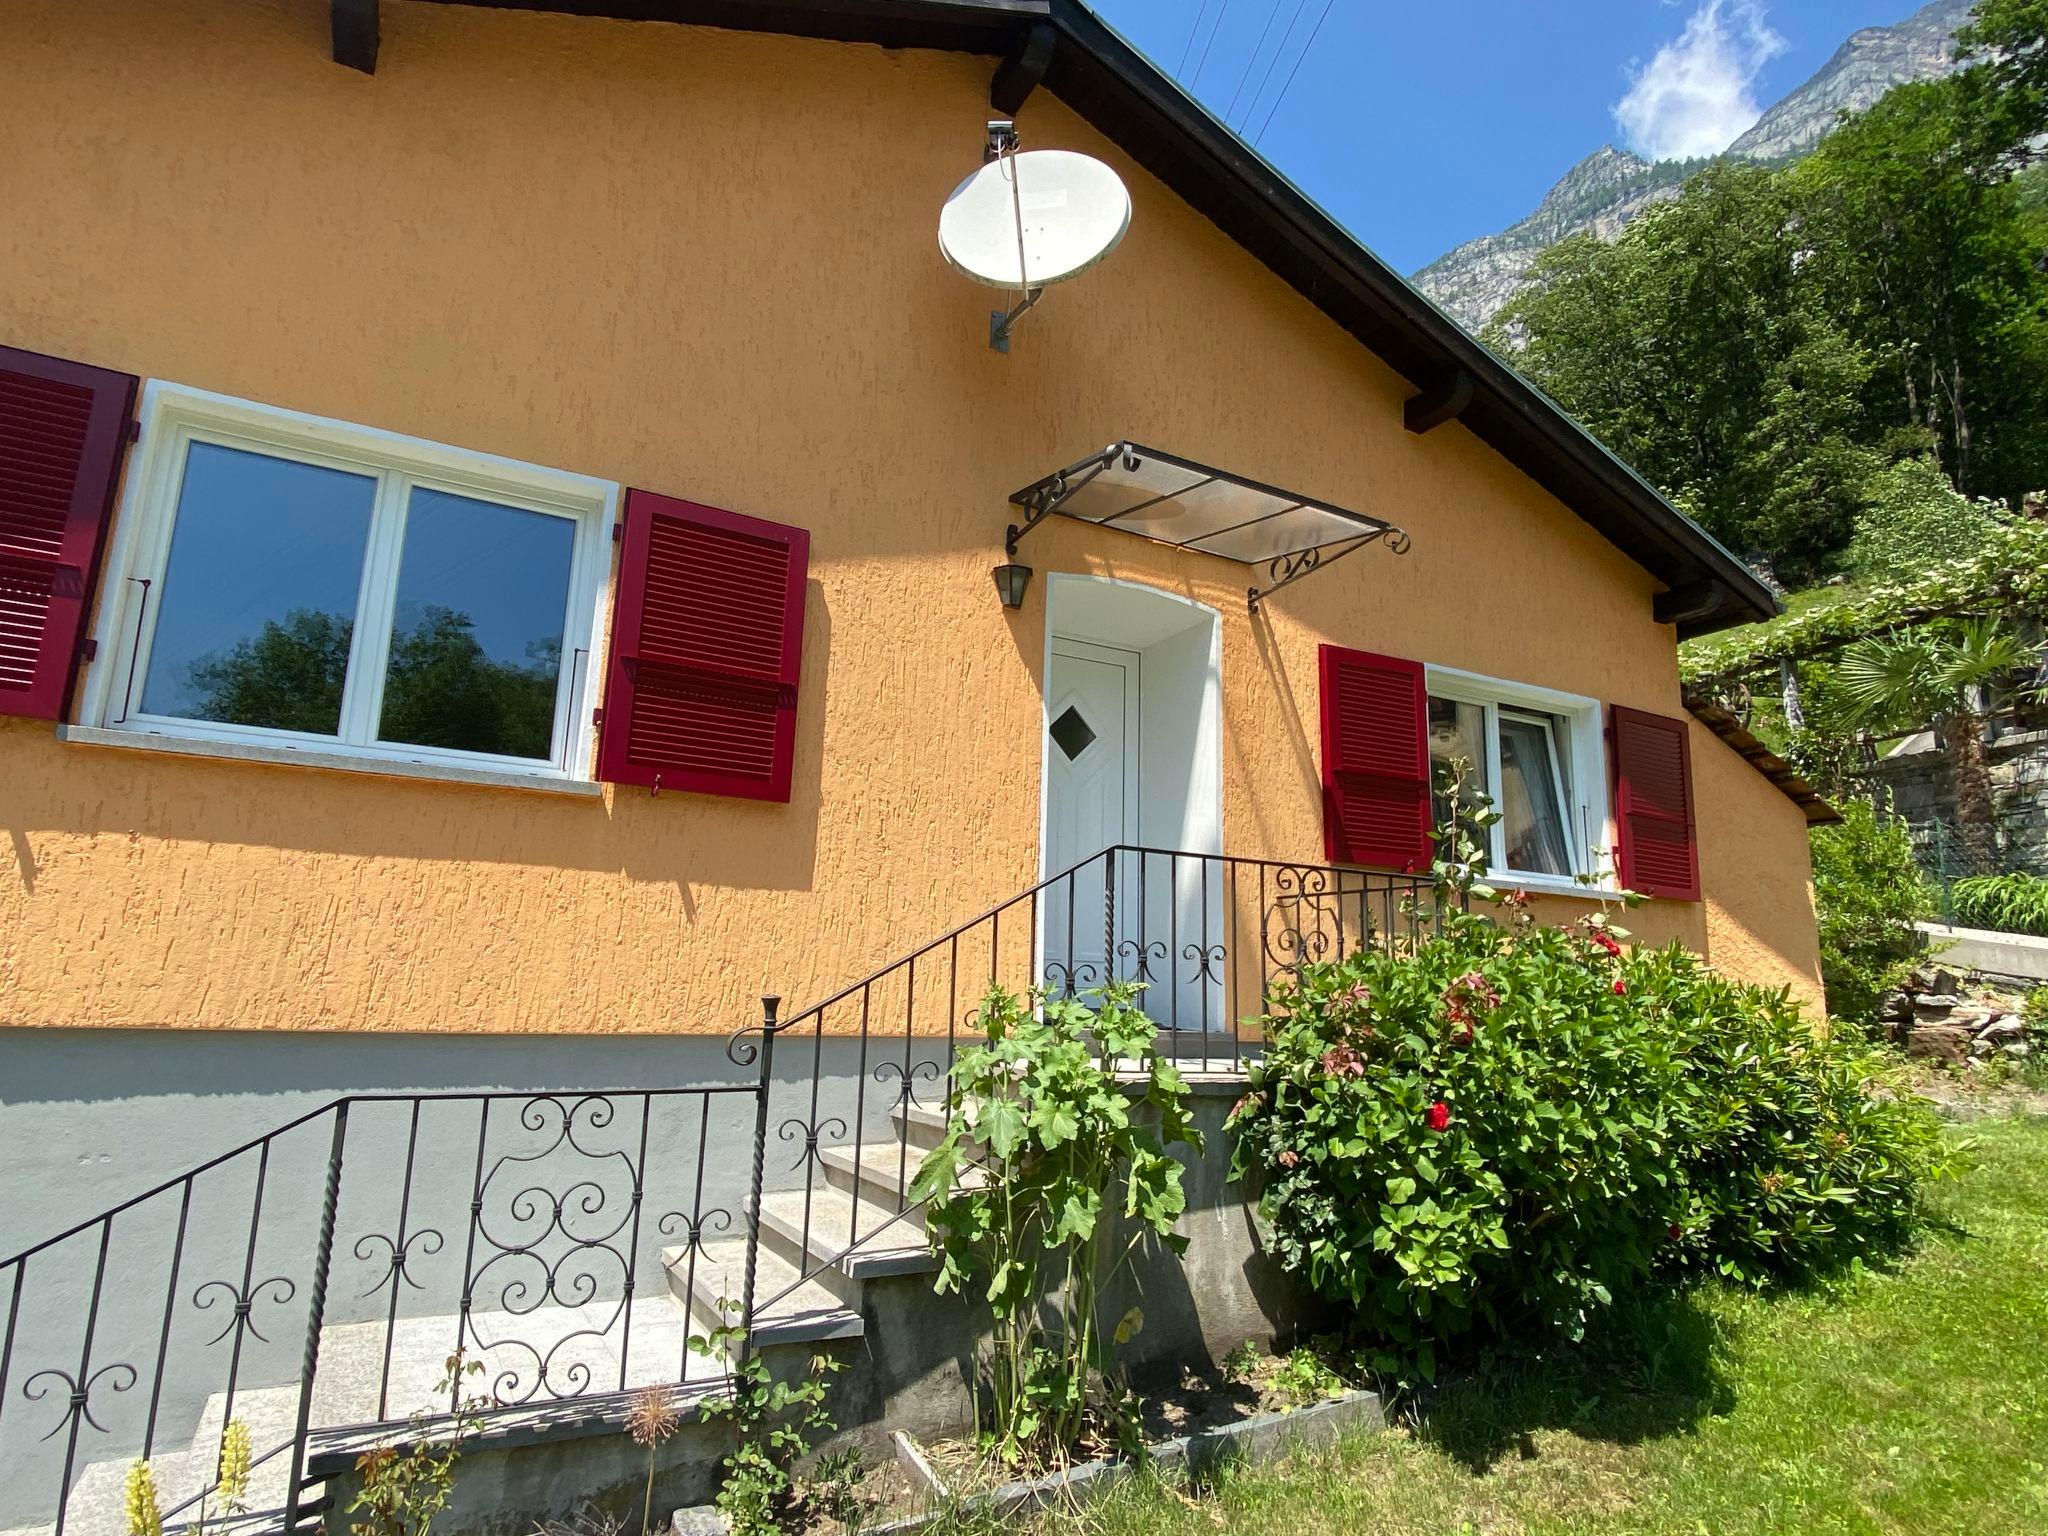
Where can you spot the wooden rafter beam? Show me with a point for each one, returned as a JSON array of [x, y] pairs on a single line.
[[353, 25], [1441, 402], [1020, 74]]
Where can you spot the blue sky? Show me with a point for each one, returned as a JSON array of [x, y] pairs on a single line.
[[1421, 125]]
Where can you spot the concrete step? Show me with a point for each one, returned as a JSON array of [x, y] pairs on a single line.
[[791, 1310], [880, 1174], [818, 1228], [921, 1127]]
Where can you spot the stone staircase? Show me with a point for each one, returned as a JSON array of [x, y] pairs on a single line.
[[811, 1282]]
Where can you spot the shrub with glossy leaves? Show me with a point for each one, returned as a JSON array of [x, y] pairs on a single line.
[[1491, 1135]]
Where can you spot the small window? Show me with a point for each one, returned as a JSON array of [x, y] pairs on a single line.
[[1536, 755], [309, 584]]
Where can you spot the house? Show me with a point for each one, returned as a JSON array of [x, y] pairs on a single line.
[[498, 504]]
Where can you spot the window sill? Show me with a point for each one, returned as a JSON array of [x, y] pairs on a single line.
[[1550, 885], [340, 762]]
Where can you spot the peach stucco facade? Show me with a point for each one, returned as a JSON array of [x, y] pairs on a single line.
[[702, 262]]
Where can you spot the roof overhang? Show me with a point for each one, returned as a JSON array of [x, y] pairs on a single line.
[[1790, 784], [1123, 95], [1177, 502]]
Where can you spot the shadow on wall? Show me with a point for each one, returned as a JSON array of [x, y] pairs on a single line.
[[687, 839]]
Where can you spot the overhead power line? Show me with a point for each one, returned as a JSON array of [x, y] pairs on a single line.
[[1203, 63], [1188, 47], [1246, 73], [1253, 106], [1305, 48]]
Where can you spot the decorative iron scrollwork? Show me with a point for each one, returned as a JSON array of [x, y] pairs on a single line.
[[241, 1320], [907, 1081], [397, 1256], [1143, 954], [79, 1397], [1208, 960], [533, 1221], [790, 1129]]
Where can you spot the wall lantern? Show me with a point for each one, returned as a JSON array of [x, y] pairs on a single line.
[[1011, 580]]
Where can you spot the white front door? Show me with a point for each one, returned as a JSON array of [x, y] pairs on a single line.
[[1091, 799]]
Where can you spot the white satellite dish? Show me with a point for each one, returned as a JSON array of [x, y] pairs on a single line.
[[1027, 220]]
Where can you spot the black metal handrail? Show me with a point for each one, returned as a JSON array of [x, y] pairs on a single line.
[[311, 1281], [1207, 935]]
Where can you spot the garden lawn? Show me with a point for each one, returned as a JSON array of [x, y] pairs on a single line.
[[1914, 1401]]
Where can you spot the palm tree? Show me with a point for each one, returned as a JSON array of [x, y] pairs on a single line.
[[1942, 675]]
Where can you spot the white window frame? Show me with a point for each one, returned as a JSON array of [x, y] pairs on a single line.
[[173, 417], [1588, 811]]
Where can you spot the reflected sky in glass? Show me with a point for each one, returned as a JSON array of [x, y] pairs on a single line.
[[258, 603]]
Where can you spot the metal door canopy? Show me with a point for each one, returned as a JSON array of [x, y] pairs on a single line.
[[1177, 502]]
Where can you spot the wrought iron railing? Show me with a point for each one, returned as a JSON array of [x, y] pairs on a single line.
[[1207, 935], [311, 1284]]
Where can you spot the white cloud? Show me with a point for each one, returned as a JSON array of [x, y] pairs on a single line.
[[1694, 97]]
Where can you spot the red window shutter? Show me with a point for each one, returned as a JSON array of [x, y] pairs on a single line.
[[1658, 852], [707, 637], [1376, 803], [63, 428]]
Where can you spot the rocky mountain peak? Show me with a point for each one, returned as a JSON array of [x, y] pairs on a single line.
[[1609, 187]]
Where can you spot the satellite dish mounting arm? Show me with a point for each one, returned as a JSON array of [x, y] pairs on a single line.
[[1002, 145]]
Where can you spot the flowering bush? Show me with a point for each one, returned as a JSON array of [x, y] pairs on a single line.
[[1495, 1132]]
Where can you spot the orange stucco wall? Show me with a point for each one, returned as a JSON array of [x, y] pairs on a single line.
[[702, 262]]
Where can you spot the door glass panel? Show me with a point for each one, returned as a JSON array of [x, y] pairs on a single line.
[[258, 605], [1072, 734], [1533, 823], [476, 631]]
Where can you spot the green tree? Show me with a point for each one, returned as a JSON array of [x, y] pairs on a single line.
[[287, 676], [1867, 894], [1944, 674], [2007, 43], [1700, 347], [1928, 259]]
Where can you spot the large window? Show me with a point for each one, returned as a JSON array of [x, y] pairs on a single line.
[[308, 585], [1537, 754]]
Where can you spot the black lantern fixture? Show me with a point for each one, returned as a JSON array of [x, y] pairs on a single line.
[[1011, 580]]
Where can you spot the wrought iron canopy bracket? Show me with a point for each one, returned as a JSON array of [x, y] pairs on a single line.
[[1045, 498], [1290, 568]]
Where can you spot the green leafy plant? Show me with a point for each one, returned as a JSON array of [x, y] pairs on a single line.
[[2009, 903], [1305, 1378], [1058, 1126], [406, 1485], [833, 1489], [1867, 894], [1496, 1133], [774, 1423], [1242, 1362], [1944, 674]]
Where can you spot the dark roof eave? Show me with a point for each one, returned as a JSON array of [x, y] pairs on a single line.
[[1121, 93]]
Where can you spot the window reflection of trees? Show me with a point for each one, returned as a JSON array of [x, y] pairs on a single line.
[[441, 688]]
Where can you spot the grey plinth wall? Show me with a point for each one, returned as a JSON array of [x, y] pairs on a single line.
[[911, 1367]]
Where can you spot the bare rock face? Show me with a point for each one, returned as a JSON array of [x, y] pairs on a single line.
[[1600, 194]]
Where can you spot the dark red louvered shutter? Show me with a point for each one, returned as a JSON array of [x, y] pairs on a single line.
[[1375, 760], [1658, 851], [707, 638], [63, 429]]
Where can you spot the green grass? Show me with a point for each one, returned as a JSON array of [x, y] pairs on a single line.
[[1914, 1401]]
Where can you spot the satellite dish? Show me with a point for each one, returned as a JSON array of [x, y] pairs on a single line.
[[1074, 211]]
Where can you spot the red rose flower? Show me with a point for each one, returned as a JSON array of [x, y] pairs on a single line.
[[1620, 987], [1675, 1232], [1439, 1116], [1605, 940]]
